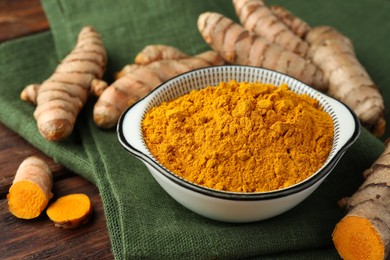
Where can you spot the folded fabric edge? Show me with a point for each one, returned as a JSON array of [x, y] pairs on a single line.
[[55, 12]]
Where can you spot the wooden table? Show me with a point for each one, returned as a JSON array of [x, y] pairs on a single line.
[[38, 238]]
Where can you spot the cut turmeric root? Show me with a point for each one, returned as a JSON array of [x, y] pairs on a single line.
[[362, 239], [61, 97], [136, 81], [70, 211], [31, 189], [364, 233]]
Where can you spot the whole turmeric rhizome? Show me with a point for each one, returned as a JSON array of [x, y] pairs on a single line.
[[240, 137], [30, 193]]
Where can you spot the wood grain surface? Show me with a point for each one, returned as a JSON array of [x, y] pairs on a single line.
[[39, 238]]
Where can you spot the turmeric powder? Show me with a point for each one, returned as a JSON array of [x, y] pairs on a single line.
[[240, 137]]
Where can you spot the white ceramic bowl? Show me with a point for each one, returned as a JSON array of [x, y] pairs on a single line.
[[233, 206]]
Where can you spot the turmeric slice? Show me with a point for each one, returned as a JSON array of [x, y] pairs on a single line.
[[30, 191], [136, 81], [61, 97], [70, 211], [364, 233]]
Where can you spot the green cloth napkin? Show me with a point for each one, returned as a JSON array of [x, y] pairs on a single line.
[[143, 221]]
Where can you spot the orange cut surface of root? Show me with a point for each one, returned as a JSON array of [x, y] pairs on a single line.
[[356, 238], [70, 211], [26, 200]]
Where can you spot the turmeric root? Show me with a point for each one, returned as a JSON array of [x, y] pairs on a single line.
[[70, 211], [30, 93], [159, 52], [30, 191], [97, 87], [256, 17], [150, 54], [139, 80], [61, 97], [298, 26], [364, 233], [349, 82], [236, 45]]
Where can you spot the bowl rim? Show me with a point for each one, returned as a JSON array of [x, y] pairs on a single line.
[[229, 195]]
